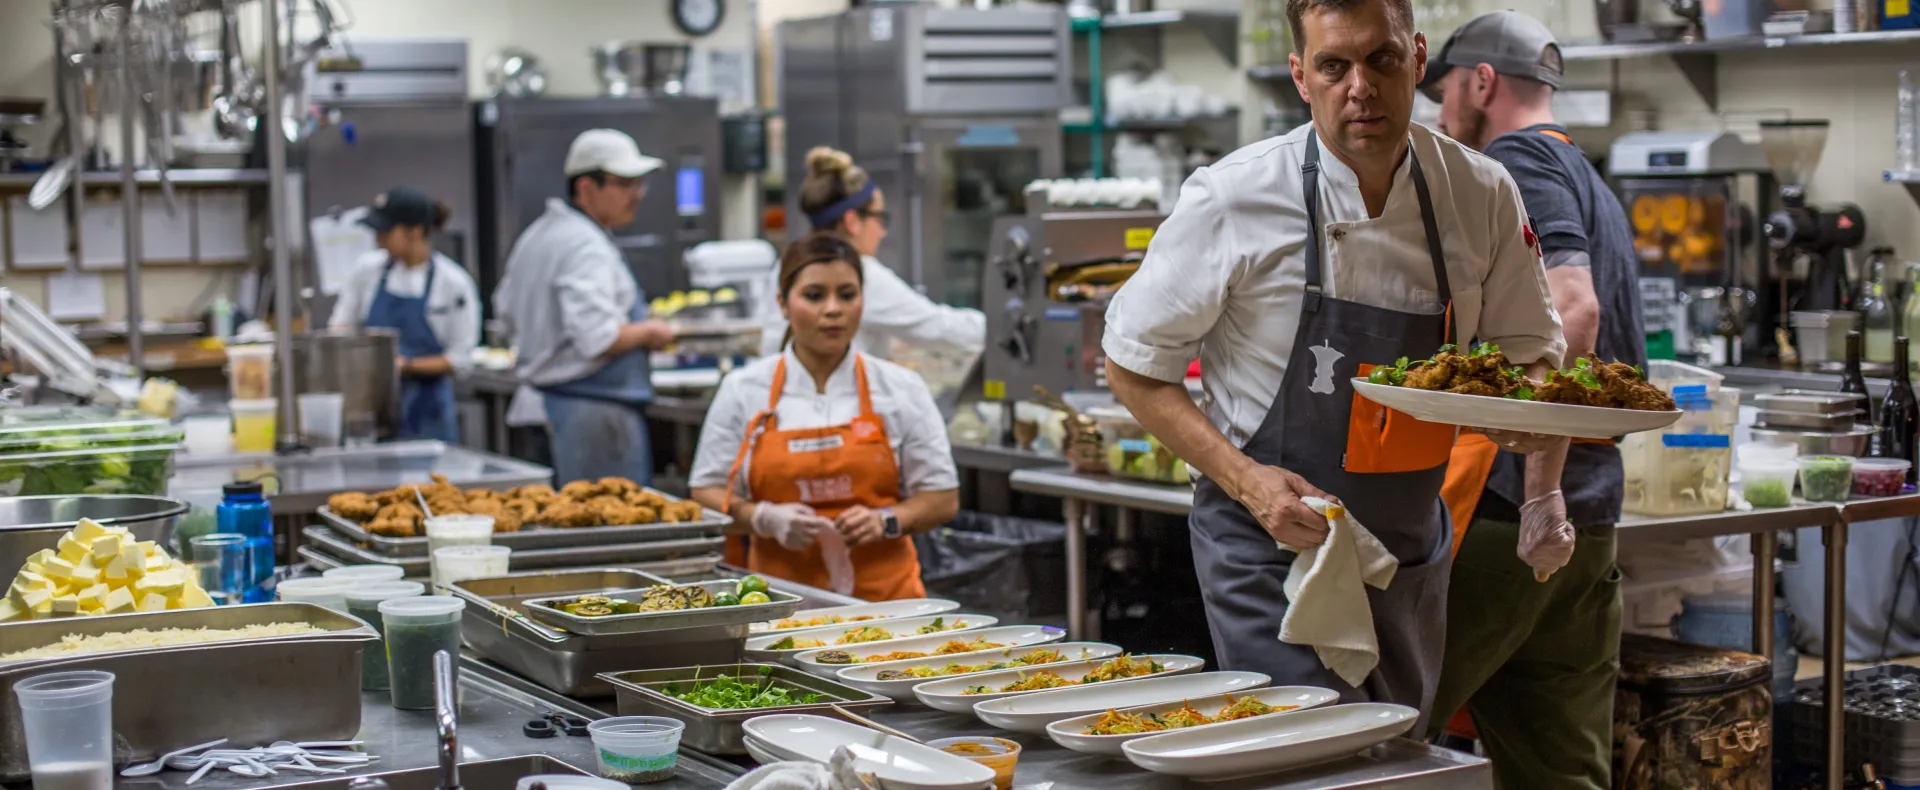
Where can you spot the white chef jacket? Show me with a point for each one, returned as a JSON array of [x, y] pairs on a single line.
[[900, 397], [1224, 275], [453, 309], [890, 310], [564, 297]]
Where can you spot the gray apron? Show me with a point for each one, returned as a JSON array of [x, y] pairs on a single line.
[[1240, 568]]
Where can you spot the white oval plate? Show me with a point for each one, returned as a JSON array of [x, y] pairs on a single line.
[[1071, 733], [758, 648], [764, 754], [899, 764], [1033, 712], [885, 610], [1006, 636], [1479, 411], [948, 693], [1266, 744], [865, 677]]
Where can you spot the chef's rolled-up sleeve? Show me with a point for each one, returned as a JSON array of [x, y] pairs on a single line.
[[1156, 321], [1516, 304], [588, 312]]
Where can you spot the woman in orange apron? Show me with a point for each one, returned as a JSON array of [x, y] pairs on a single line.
[[828, 459]]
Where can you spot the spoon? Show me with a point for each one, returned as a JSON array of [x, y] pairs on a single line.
[[149, 769], [859, 719]]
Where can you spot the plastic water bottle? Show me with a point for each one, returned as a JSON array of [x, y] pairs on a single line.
[[244, 511], [1906, 125]]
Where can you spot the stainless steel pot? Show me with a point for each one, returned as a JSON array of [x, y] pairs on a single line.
[[31, 523], [358, 365], [1851, 443], [631, 68]]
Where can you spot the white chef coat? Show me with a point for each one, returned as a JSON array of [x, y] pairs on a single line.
[[564, 297], [453, 309], [900, 397], [890, 310], [1224, 275]]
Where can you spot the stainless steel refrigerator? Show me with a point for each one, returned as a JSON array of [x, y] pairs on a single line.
[[952, 111]]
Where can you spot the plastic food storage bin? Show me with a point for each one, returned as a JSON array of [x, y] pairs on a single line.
[[1826, 478], [141, 469], [250, 372], [1132, 452], [1767, 482], [254, 423], [1677, 473], [637, 749]]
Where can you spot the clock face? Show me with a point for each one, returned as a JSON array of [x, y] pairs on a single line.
[[698, 17]]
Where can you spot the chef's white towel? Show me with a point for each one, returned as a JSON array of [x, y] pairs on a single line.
[[839, 775], [1327, 605], [839, 561]]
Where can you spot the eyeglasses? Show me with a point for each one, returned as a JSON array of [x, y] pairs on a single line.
[[875, 214], [616, 182]]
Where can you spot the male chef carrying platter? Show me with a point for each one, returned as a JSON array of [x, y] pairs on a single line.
[[1288, 266]]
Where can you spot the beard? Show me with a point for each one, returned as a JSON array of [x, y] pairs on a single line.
[[1473, 126]]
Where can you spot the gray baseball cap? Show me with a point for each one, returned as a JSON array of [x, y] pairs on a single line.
[[1511, 42]]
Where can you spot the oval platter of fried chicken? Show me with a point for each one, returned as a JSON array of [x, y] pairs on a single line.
[[582, 513], [1482, 389]]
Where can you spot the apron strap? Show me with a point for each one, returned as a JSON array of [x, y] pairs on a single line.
[[860, 383], [779, 383], [765, 419], [1432, 229], [1310, 188]]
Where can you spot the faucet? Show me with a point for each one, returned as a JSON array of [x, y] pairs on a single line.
[[446, 717]]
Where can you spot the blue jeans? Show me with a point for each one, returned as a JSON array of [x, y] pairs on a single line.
[[594, 438]]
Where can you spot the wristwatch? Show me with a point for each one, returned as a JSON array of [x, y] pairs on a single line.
[[892, 522]]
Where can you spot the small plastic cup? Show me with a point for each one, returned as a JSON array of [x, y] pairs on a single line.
[[359, 574], [68, 720], [221, 559], [1826, 478], [250, 371], [1873, 477], [460, 563], [415, 628], [637, 749], [320, 418], [1767, 482], [999, 754], [458, 530], [254, 422], [320, 591], [363, 601]]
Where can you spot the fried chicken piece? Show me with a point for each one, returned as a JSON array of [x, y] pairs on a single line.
[[504, 518], [618, 486], [1437, 375], [353, 505], [540, 494], [567, 514], [1563, 389], [524, 508], [392, 528], [580, 490], [483, 495], [398, 520], [644, 498], [624, 514], [1476, 387], [682, 511]]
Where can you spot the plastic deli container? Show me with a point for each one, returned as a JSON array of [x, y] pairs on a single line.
[[254, 422], [460, 563], [999, 754], [250, 372], [458, 530], [1826, 478], [1132, 452], [141, 469], [363, 601], [415, 628], [1879, 476], [321, 418], [1766, 481], [320, 591], [359, 574], [68, 721], [637, 749]]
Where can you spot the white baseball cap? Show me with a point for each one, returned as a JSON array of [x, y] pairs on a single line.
[[608, 151]]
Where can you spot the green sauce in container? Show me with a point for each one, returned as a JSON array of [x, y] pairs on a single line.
[[364, 602], [416, 628], [1826, 478]]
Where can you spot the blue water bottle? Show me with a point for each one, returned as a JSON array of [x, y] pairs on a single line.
[[244, 511]]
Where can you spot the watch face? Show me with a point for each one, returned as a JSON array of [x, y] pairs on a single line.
[[698, 17]]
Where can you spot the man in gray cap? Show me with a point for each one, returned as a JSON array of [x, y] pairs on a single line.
[[1534, 662]]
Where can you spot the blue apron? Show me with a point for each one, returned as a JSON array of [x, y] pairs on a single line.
[[598, 422], [426, 402]]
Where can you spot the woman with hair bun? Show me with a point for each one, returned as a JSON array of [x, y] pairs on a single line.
[[424, 297], [839, 197]]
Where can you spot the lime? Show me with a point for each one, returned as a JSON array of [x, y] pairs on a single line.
[[726, 599], [752, 583], [755, 597]]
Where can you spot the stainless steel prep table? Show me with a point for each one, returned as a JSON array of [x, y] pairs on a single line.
[[306, 480], [1080, 493]]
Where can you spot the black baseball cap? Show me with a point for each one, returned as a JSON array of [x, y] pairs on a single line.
[[401, 206], [1511, 42]]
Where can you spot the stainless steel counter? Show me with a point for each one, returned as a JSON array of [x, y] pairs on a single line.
[[305, 481]]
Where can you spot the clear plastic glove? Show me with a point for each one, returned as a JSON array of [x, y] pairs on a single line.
[[1546, 537], [792, 525]]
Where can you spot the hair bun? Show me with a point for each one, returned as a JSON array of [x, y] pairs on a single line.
[[828, 162]]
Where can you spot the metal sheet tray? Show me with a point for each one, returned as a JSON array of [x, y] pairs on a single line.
[[496, 626], [1811, 401], [252, 691], [716, 731], [535, 536], [781, 605], [531, 559]]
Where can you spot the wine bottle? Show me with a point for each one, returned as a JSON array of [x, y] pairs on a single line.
[[1852, 380], [1900, 412]]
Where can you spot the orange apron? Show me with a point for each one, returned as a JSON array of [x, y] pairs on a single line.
[[830, 469]]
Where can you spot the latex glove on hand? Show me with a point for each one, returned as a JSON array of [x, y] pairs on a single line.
[[1546, 537], [793, 525]]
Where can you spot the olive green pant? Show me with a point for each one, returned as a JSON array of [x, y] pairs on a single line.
[[1534, 663]]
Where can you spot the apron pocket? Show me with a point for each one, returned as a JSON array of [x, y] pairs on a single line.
[[1383, 441]]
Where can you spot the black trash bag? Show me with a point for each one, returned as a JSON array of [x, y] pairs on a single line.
[[1005, 566]]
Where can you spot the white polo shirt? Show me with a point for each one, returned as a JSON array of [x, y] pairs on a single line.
[[1223, 277]]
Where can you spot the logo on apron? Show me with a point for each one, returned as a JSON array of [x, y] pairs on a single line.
[[1324, 356], [825, 489]]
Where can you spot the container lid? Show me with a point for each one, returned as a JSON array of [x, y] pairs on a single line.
[[473, 552], [1881, 464], [376, 592], [312, 588], [365, 573], [250, 350], [429, 608], [1836, 461], [1671, 667], [94, 427], [138, 452], [1763, 464], [243, 488]]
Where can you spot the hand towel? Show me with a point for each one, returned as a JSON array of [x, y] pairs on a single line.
[[839, 561], [1327, 606]]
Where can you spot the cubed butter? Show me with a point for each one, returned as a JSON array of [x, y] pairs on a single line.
[[159, 561], [105, 547], [65, 606], [86, 571], [93, 595], [11, 612], [153, 602], [40, 557], [162, 581], [31, 579], [87, 530], [39, 601], [192, 597], [118, 601], [148, 547], [71, 549], [58, 569]]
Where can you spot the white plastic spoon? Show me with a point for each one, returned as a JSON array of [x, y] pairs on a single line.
[[149, 769]]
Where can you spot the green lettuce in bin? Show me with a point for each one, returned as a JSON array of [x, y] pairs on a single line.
[[123, 470]]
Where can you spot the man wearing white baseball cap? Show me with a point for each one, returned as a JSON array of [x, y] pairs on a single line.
[[579, 320]]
